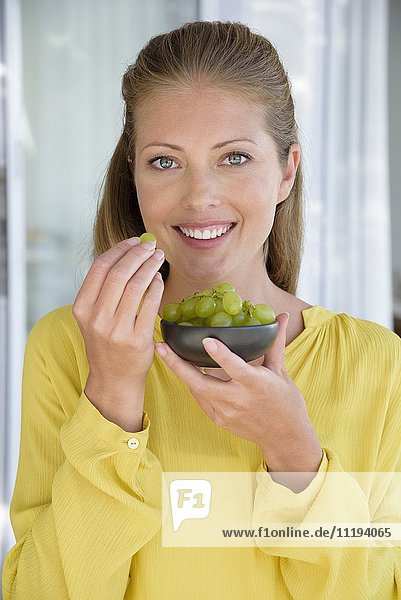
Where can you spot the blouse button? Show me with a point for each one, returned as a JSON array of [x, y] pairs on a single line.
[[133, 443]]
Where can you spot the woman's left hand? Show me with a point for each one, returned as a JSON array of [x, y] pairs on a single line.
[[259, 403]]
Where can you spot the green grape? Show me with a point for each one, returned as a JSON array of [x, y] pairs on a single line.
[[232, 303], [264, 313], [222, 288], [239, 319], [219, 305], [205, 307], [188, 307], [203, 293], [252, 321], [182, 319], [172, 312], [198, 322], [208, 322], [221, 319], [147, 237]]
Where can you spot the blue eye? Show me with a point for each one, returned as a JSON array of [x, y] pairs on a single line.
[[163, 160], [166, 162], [238, 155]]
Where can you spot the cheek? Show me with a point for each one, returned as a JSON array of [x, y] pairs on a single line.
[[153, 191], [155, 215], [150, 201], [143, 189], [260, 203]]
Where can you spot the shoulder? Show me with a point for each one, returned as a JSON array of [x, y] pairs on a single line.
[[55, 365], [55, 325], [361, 341], [349, 329], [57, 339], [368, 333], [344, 334]]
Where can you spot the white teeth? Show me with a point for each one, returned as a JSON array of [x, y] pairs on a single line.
[[207, 234]]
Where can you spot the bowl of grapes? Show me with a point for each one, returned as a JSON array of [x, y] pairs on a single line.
[[247, 329]]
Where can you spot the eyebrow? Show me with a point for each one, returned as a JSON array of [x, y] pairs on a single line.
[[220, 145]]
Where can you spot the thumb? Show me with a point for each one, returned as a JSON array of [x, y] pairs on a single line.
[[274, 356]]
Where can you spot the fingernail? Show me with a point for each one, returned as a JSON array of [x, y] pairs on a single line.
[[133, 241], [161, 350], [210, 344], [148, 245], [159, 254]]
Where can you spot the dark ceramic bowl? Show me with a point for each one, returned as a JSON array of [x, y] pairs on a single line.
[[249, 342]]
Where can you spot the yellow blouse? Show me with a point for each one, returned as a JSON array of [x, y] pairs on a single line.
[[86, 508]]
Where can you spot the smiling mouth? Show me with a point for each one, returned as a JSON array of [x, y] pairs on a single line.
[[199, 235]]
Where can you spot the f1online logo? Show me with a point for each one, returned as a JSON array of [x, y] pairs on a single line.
[[189, 499]]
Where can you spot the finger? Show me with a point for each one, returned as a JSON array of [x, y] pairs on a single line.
[[214, 372], [134, 271], [274, 357], [96, 276], [148, 310], [186, 371], [221, 374], [233, 365], [136, 291]]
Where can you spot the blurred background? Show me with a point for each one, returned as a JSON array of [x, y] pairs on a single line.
[[61, 115]]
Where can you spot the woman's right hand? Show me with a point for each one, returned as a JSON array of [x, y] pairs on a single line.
[[119, 342]]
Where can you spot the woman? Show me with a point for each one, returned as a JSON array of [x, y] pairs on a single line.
[[209, 140]]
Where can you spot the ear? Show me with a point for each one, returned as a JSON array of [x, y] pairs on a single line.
[[289, 173]]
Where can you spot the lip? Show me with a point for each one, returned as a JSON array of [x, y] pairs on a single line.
[[204, 244], [194, 224]]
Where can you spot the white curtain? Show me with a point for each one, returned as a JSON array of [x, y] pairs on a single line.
[[74, 55], [12, 264], [64, 62], [335, 52]]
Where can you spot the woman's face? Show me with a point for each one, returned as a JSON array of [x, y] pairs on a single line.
[[203, 157]]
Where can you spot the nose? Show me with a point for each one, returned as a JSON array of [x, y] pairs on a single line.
[[201, 190]]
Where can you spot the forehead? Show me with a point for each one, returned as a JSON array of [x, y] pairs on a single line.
[[200, 110]]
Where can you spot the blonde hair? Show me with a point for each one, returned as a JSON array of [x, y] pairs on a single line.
[[229, 56]]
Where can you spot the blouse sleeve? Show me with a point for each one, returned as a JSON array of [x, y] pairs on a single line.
[[87, 494], [335, 496]]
